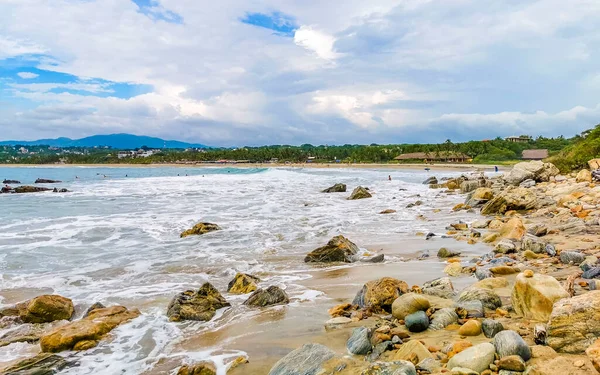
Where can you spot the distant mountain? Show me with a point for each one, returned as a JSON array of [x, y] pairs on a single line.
[[119, 141]]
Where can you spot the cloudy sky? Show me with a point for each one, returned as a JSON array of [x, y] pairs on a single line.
[[233, 72]]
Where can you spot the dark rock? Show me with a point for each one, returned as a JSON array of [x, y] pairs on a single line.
[[201, 305], [338, 249], [376, 259], [430, 235], [447, 253], [488, 298], [29, 189], [307, 360], [337, 188], [568, 257], [379, 349], [491, 327], [95, 306], [417, 322], [359, 193], [57, 190], [11, 182], [273, 295], [200, 229], [501, 260], [41, 364], [483, 273], [411, 205], [243, 283], [46, 181], [359, 342], [592, 273], [511, 343], [431, 180]]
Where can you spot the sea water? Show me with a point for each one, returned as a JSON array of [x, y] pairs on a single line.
[[114, 239]]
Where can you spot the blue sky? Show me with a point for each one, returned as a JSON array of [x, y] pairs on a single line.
[[296, 72]]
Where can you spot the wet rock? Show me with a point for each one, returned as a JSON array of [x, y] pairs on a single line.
[[446, 253], [202, 368], [411, 349], [512, 363], [491, 327], [29, 189], [273, 295], [200, 229], [199, 305], [411, 205], [41, 364], [388, 211], [459, 226], [380, 294], [336, 323], [441, 287], [243, 283], [417, 322], [338, 249], [306, 360], [359, 193], [85, 333], [95, 306], [376, 259], [593, 354], [11, 182], [443, 318], [483, 273], [479, 197], [42, 309], [511, 199], [509, 343], [431, 181], [409, 303], [46, 181], [477, 358], [533, 297], [57, 190], [391, 368], [571, 257], [505, 247], [337, 188], [534, 170], [574, 323], [359, 342], [488, 298]]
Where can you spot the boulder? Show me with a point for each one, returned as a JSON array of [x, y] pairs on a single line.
[[511, 343], [337, 188], [505, 246], [29, 189], [41, 364], [359, 342], [85, 333], [273, 295], [479, 197], [470, 309], [42, 309], [387, 212], [492, 283], [480, 224], [443, 318], [453, 269], [359, 193], [199, 229], [528, 184], [491, 328], [11, 182], [431, 181], [592, 273], [512, 363], [409, 303], [417, 322], [533, 297], [534, 244], [477, 358], [199, 305], [488, 298], [306, 360], [380, 294], [593, 354], [571, 257], [574, 323], [470, 328], [243, 283], [534, 170], [483, 273], [441, 287], [513, 229], [446, 253], [470, 185], [46, 181], [511, 199], [338, 249], [594, 164], [584, 175], [410, 349]]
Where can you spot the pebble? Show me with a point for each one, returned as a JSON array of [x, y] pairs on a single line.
[[528, 273], [417, 322]]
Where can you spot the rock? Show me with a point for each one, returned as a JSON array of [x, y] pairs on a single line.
[[533, 297], [428, 366], [512, 363], [480, 224], [592, 273], [594, 164], [88, 330], [200, 305], [593, 354], [534, 244], [306, 360], [359, 342], [460, 226], [57, 190], [273, 295], [528, 273], [470, 328], [41, 364], [379, 349], [410, 348], [453, 269], [492, 283], [407, 304], [338, 322], [513, 229], [509, 343], [483, 273], [589, 263], [511, 199], [527, 184], [338, 249], [417, 322], [491, 237], [243, 283], [505, 247], [376, 259], [441, 287], [42, 309], [380, 294], [388, 211], [463, 371], [477, 358], [504, 270], [431, 181], [199, 229], [29, 189], [550, 250], [574, 323], [479, 197], [469, 186], [337, 188], [11, 182], [491, 327], [584, 175], [359, 193], [538, 230], [46, 181], [534, 170], [488, 298], [202, 368], [470, 309], [95, 306], [445, 253], [391, 368], [574, 257], [443, 318]]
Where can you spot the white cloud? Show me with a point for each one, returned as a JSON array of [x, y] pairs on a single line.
[[27, 75], [316, 41]]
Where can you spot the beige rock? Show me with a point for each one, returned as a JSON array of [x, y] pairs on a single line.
[[514, 229], [594, 164], [409, 303], [492, 283], [453, 269], [511, 199], [380, 294], [470, 328], [533, 297], [458, 347], [415, 347], [574, 323], [504, 270], [584, 175], [496, 224], [491, 237], [593, 353]]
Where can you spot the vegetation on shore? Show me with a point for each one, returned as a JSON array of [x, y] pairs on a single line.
[[576, 155]]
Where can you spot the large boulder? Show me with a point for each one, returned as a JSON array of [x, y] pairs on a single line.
[[359, 193], [509, 343], [531, 170], [338, 249], [488, 297], [380, 294], [199, 305], [87, 332], [42, 309], [46, 181], [477, 358], [479, 197], [307, 360], [30, 189], [409, 303], [533, 297], [337, 188], [243, 283], [41, 364], [513, 229], [273, 295], [574, 323], [199, 229], [511, 199]]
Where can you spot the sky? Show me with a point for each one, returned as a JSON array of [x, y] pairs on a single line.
[[233, 73]]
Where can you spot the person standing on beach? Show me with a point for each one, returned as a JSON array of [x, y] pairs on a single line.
[[496, 168], [389, 177]]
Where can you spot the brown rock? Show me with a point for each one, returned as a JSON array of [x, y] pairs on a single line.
[[584, 175], [533, 297], [470, 328], [42, 309], [200, 305], [458, 347], [413, 347], [593, 353], [388, 211], [512, 363], [504, 270], [199, 229], [338, 249], [344, 310], [197, 369], [380, 294], [513, 229], [243, 283], [409, 303]]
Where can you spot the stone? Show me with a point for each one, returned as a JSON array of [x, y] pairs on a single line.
[[46, 181], [273, 295], [431, 181], [492, 283], [417, 322], [511, 199], [96, 305], [504, 270], [491, 237], [491, 328], [574, 323], [592, 273], [589, 263], [380, 294], [483, 273], [443, 318], [509, 343], [375, 259], [453, 269], [528, 184], [513, 229], [306, 360], [571, 257], [441, 287], [488, 298], [359, 193], [530, 255], [338, 249], [201, 305], [534, 170], [512, 363], [243, 283], [410, 348], [533, 297], [202, 368], [505, 247], [409, 303], [593, 354], [538, 230], [41, 364], [528, 273], [428, 365], [479, 197], [42, 309], [470, 328], [29, 189], [11, 182], [359, 342], [470, 309], [446, 253], [89, 329], [200, 229], [584, 175], [533, 244], [390, 368], [460, 226], [337, 188], [480, 224], [469, 186], [388, 211], [477, 358], [335, 323], [463, 371]]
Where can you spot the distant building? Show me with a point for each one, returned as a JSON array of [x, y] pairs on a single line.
[[429, 157], [535, 154], [518, 139], [23, 150], [125, 154]]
